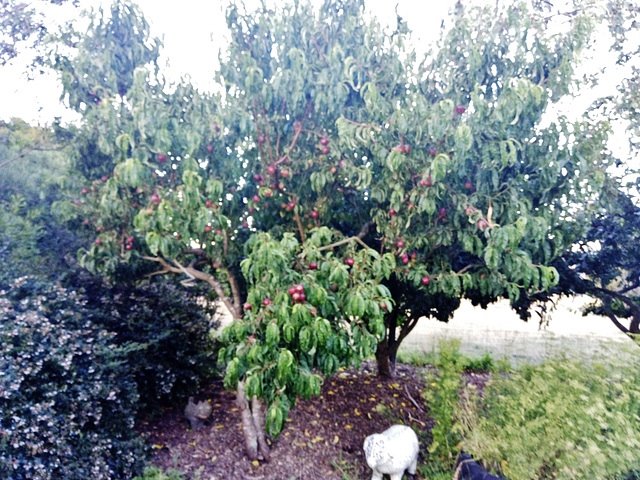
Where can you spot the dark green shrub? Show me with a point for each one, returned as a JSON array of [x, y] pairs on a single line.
[[67, 399], [482, 364], [559, 420], [173, 331]]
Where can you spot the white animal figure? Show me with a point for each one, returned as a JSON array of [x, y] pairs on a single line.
[[392, 452]]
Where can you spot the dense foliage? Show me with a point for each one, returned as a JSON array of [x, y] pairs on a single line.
[[562, 419], [338, 161], [67, 405], [171, 330]]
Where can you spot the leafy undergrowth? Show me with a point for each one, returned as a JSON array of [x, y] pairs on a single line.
[[323, 437]]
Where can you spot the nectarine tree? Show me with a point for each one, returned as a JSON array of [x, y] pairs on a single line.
[[340, 185]]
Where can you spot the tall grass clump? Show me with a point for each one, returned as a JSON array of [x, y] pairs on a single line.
[[563, 419]]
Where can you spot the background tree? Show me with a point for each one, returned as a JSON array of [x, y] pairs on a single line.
[[21, 24], [335, 169]]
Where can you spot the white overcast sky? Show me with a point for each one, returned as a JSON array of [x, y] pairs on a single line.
[[192, 31]]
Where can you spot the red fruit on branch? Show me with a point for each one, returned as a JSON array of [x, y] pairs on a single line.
[[104, 178], [155, 198], [425, 280], [162, 158], [392, 212], [469, 210], [257, 177], [98, 241], [407, 149], [266, 302], [443, 212], [324, 141], [292, 290], [400, 243], [128, 246], [482, 224], [314, 214], [256, 198], [261, 139], [299, 288], [207, 228], [85, 191], [209, 148], [246, 306], [271, 169], [129, 239], [313, 265], [460, 110], [207, 204], [325, 150], [349, 261], [468, 185], [425, 183]]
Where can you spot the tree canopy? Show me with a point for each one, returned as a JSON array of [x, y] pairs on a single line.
[[340, 185]]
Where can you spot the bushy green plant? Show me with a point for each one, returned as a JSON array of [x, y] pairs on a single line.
[[155, 473], [562, 420], [441, 394], [177, 353], [67, 400], [483, 364]]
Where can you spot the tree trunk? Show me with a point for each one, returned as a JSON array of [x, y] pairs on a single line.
[[255, 442], [387, 349], [258, 420], [382, 359]]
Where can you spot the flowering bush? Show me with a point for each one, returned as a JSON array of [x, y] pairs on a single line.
[[67, 403]]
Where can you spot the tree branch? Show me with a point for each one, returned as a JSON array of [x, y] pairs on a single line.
[[200, 275], [406, 329], [358, 238]]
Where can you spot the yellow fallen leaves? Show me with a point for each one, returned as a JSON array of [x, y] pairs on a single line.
[[336, 439], [158, 446], [348, 427], [218, 427], [255, 463]]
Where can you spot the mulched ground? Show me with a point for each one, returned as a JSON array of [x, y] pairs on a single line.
[[322, 439]]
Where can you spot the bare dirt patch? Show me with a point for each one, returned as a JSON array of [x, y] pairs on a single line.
[[322, 439]]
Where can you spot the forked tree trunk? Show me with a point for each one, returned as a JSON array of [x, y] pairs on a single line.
[[255, 441], [387, 349]]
